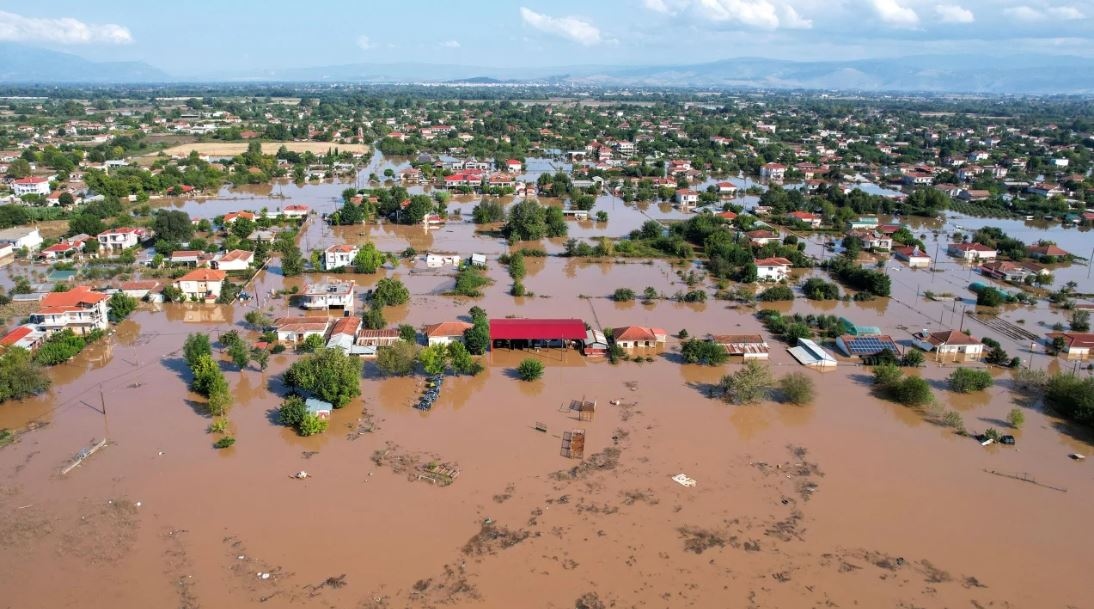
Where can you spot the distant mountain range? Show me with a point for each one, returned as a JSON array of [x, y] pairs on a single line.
[[1020, 74]]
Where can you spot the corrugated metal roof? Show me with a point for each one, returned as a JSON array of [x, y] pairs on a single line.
[[537, 329]]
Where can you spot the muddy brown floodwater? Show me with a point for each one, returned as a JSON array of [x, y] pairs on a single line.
[[850, 501]]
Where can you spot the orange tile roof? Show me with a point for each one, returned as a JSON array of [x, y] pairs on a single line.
[[203, 275], [76, 297]]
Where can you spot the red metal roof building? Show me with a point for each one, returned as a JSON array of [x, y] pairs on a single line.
[[537, 329]]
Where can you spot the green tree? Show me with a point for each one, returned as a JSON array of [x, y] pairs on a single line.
[[708, 353], [59, 348], [1072, 397], [527, 221], [373, 318], [240, 354], [261, 357], [312, 343], [368, 259], [397, 359], [408, 333], [887, 375], [390, 292], [530, 369], [20, 376], [470, 280], [623, 295], [196, 345], [796, 388], [311, 425], [329, 374], [121, 306], [488, 211], [752, 383], [434, 359], [967, 380], [912, 391], [1080, 320], [477, 337], [173, 226], [292, 261], [1016, 418], [220, 398], [912, 358], [460, 359], [292, 411]]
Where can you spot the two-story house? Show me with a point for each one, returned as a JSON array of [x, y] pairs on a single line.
[[203, 285], [329, 295], [338, 256], [117, 240], [80, 309]]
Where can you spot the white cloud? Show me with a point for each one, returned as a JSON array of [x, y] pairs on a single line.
[[365, 43], [791, 19], [952, 13], [658, 6], [581, 32], [756, 13], [891, 12], [63, 30], [1066, 12], [1024, 13], [451, 44]]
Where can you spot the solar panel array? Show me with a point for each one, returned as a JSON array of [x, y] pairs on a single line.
[[869, 345]]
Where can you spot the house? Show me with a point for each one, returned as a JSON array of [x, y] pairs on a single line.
[[293, 330], [773, 171], [873, 240], [864, 222], [971, 252], [338, 256], [187, 257], [596, 344], [1050, 250], [33, 185], [1006, 271], [727, 215], [117, 240], [761, 237], [812, 355], [949, 345], [235, 260], [436, 261], [1077, 345], [513, 166], [26, 336], [318, 408], [634, 337], [748, 346], [64, 249], [80, 309], [866, 345], [446, 332], [773, 269], [727, 188], [911, 254], [201, 284], [22, 237], [232, 216], [139, 288], [478, 260], [344, 334], [687, 198], [808, 218], [295, 212], [377, 338], [329, 295]]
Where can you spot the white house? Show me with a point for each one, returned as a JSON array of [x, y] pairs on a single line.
[[971, 252], [949, 345], [22, 237], [773, 269], [80, 309], [633, 337], [235, 260], [446, 332], [296, 329], [1077, 345], [338, 256], [773, 171], [436, 261], [201, 284], [34, 185], [687, 198], [911, 254], [329, 295], [116, 240]]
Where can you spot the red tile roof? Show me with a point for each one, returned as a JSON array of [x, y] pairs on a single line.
[[203, 275], [78, 296], [14, 336], [774, 262], [447, 328]]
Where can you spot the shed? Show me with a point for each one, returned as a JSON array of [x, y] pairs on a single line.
[[536, 331], [319, 408], [809, 353]]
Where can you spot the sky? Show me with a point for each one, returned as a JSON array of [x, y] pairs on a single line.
[[206, 37]]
